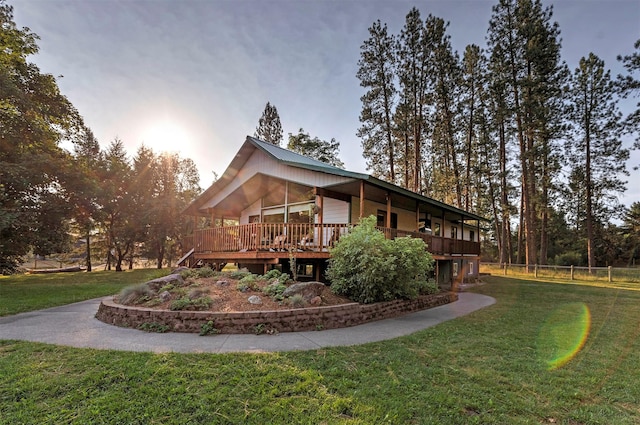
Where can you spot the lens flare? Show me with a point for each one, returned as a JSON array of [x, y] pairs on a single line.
[[563, 334]]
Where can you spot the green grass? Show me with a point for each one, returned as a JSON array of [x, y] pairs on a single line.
[[490, 367], [20, 293]]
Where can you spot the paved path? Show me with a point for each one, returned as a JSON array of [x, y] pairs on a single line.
[[75, 325]]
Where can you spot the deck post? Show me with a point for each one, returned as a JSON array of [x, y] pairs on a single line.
[[321, 221], [361, 198], [388, 223]]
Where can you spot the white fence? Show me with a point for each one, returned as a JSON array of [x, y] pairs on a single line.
[[608, 274]]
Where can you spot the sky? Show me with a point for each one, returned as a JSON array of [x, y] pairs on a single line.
[[193, 76]]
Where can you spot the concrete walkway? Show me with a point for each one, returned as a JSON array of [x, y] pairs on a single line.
[[75, 325]]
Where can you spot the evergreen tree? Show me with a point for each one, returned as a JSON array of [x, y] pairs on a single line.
[[84, 183], [445, 76], [376, 74], [412, 70], [269, 128], [595, 148], [631, 234], [630, 85], [524, 47], [315, 148], [117, 205]]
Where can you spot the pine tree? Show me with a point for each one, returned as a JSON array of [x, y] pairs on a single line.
[[595, 148], [321, 150], [269, 128], [376, 74], [445, 77], [629, 85], [524, 46], [412, 70]]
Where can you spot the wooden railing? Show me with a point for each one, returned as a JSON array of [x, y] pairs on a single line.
[[312, 237], [436, 244], [268, 236]]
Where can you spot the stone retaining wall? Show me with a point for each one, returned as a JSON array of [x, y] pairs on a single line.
[[294, 320]]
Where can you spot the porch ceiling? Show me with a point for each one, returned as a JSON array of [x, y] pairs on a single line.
[[247, 194]]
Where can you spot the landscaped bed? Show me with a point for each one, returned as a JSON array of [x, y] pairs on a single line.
[[209, 302]]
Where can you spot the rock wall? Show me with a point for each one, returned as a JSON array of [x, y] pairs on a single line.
[[294, 320]]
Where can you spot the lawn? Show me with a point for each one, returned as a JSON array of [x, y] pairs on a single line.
[[20, 293], [496, 366]]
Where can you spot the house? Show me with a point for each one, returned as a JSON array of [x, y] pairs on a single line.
[[272, 205]]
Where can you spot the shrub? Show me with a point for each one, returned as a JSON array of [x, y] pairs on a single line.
[[367, 267], [248, 282], [239, 274], [274, 290], [208, 329], [428, 287], [570, 258], [186, 303], [284, 278], [135, 294], [272, 274], [296, 301], [205, 272], [153, 327]]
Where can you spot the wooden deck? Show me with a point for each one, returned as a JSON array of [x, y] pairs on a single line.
[[267, 243]]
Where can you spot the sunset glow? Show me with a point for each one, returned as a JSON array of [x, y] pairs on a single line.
[[165, 137]]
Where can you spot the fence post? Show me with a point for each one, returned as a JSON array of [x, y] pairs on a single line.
[[535, 271], [505, 269], [572, 272], [609, 271]]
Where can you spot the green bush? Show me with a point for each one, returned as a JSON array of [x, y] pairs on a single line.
[[248, 283], [570, 258], [275, 290], [367, 267], [153, 327], [272, 274], [208, 329], [239, 274], [186, 303]]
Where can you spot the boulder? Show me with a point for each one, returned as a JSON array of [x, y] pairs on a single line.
[[315, 301], [254, 299], [222, 283], [158, 283], [308, 290], [165, 296]]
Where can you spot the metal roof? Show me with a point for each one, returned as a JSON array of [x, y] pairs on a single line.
[[296, 160]]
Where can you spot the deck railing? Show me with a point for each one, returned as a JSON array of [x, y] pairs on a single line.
[[305, 236]]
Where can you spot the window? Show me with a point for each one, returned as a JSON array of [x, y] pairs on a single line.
[[436, 229], [299, 193], [300, 213], [274, 196], [254, 219], [455, 268], [454, 232], [472, 235], [382, 219], [471, 268]]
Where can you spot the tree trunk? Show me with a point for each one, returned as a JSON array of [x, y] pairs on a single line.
[[88, 259]]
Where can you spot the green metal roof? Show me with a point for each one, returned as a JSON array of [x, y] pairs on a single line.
[[294, 159]]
